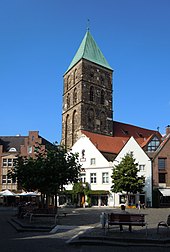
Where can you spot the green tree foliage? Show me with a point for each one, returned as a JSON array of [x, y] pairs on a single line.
[[48, 172], [125, 176], [80, 189]]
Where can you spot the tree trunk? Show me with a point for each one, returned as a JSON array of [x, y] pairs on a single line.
[[47, 200], [127, 199]]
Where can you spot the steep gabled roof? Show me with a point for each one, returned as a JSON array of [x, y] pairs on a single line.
[[89, 50], [105, 143], [9, 142], [122, 133]]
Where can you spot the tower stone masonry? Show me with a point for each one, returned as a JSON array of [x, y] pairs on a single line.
[[87, 94]]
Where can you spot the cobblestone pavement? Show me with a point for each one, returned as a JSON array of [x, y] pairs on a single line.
[[81, 223], [91, 217], [86, 222]]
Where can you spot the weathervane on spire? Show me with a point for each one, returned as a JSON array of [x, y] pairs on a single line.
[[88, 24]]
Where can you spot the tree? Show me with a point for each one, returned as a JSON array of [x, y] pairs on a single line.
[[48, 172], [80, 189], [125, 176]]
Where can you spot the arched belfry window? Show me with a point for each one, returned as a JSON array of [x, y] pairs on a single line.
[[74, 127], [75, 96], [90, 118], [68, 101], [68, 81], [91, 93], [102, 97], [102, 80], [66, 130], [75, 75], [102, 122]]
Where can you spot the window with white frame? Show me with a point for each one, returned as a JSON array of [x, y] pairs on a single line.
[[29, 149], [6, 179], [93, 178], [105, 177], [3, 179], [7, 162], [83, 177], [141, 167], [10, 162], [92, 161], [9, 180], [4, 162]]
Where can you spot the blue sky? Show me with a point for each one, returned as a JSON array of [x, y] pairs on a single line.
[[38, 39]]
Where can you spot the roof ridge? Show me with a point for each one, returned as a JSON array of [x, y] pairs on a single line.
[[85, 43]]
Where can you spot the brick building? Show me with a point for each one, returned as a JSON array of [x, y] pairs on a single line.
[[161, 172], [10, 148]]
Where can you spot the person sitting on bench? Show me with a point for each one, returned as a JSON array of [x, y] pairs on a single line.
[[122, 207]]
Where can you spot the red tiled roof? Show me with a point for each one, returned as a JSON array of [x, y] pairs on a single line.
[[122, 133], [120, 129]]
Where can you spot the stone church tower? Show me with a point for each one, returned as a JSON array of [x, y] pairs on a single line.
[[87, 94]]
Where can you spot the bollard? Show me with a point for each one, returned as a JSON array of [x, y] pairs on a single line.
[[103, 219]]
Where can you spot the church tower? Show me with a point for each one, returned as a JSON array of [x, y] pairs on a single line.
[[87, 94]]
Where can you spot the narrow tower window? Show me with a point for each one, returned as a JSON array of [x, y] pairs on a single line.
[[68, 100], [91, 93], [75, 96], [66, 130], [74, 127], [102, 122], [91, 119], [102, 97], [75, 75]]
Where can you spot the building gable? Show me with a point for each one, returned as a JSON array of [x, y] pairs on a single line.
[[89, 155]]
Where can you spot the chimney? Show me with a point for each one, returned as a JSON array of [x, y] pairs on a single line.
[[167, 129]]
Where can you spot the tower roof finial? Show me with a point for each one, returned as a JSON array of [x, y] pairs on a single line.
[[88, 24]]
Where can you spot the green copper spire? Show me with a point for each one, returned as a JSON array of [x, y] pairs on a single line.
[[89, 50]]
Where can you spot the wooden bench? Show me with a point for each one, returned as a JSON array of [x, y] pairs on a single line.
[[42, 212], [127, 219], [45, 213]]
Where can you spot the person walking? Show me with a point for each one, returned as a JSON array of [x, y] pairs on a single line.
[[139, 205]]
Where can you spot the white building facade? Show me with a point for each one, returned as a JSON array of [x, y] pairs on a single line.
[[97, 172], [145, 169]]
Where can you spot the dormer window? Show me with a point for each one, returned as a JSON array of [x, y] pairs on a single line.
[[125, 132], [140, 134], [12, 149], [153, 145]]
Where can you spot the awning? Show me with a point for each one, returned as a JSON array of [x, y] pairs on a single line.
[[7, 193], [165, 192], [29, 194]]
